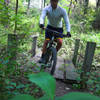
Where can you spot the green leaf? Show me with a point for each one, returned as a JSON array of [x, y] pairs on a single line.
[[98, 78], [7, 81], [9, 87], [90, 82], [46, 82], [20, 86], [5, 62], [15, 93], [44, 98], [98, 86], [12, 83], [78, 96], [23, 97]]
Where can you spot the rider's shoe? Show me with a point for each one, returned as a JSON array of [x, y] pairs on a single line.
[[42, 60]]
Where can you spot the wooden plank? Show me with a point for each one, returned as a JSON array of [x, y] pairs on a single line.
[[65, 69], [76, 51]]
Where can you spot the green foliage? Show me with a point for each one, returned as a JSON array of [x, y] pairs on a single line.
[[3, 13], [96, 21], [92, 79], [76, 86], [28, 24], [89, 18], [94, 82], [23, 97], [82, 23], [63, 4], [92, 37], [69, 96], [45, 81], [78, 96]]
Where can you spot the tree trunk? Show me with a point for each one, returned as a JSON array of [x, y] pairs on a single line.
[[69, 7], [28, 7], [97, 4], [16, 11], [86, 2]]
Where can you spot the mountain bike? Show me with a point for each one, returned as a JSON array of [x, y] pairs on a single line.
[[50, 58]]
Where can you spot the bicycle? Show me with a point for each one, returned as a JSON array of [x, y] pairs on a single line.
[[50, 58]]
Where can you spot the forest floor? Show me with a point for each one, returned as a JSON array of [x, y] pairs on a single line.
[[24, 86], [62, 87]]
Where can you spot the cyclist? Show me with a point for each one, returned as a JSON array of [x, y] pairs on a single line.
[[54, 15]]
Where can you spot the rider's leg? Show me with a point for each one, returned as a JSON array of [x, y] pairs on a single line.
[[47, 38], [45, 46], [59, 44], [44, 50]]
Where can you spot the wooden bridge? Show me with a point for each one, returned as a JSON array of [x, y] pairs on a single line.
[[65, 69]]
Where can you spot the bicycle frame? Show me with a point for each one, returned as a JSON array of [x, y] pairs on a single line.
[[51, 43], [52, 40], [51, 53]]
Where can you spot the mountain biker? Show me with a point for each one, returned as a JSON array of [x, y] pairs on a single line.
[[54, 15]]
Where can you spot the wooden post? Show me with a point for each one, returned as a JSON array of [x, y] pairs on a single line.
[[89, 53], [34, 41], [12, 49], [76, 51]]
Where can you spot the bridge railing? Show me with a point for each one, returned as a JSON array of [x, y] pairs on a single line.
[[88, 58]]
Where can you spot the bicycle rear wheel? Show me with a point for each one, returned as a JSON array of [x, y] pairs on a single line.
[[52, 59]]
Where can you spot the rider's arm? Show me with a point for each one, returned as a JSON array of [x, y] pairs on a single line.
[[43, 15], [66, 20]]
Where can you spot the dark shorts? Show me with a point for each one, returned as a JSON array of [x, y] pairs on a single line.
[[48, 34]]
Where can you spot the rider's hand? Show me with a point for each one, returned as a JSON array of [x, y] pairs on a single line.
[[41, 25], [68, 34]]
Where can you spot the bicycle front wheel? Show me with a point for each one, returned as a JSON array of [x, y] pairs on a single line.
[[52, 59]]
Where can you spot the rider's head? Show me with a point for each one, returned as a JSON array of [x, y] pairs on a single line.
[[54, 3]]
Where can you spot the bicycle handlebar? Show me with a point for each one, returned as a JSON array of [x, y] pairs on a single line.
[[55, 32]]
